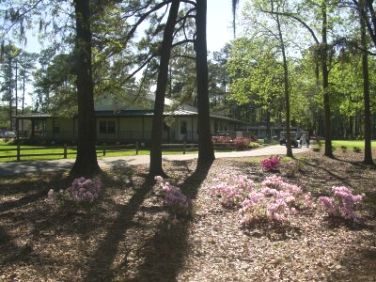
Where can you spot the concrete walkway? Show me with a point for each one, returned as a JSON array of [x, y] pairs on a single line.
[[24, 167]]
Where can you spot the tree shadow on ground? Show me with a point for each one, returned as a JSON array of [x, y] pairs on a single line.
[[328, 171], [21, 190], [357, 264], [166, 251], [12, 253], [102, 259]]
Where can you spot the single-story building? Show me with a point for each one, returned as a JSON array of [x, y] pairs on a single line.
[[126, 125]]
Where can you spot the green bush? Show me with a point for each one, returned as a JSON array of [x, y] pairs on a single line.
[[344, 149], [319, 143], [357, 150], [254, 145]]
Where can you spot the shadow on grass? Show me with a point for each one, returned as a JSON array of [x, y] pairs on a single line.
[[166, 251]]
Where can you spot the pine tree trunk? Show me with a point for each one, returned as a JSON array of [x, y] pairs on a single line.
[[205, 144], [86, 161], [365, 74], [325, 81], [160, 93], [286, 88]]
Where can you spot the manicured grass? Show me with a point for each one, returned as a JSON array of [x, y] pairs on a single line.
[[11, 151], [351, 143]]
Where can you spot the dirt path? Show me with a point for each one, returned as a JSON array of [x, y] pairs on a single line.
[[11, 168]]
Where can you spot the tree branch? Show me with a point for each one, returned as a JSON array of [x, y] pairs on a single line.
[[291, 15]]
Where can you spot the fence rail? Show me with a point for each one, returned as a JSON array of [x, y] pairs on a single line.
[[102, 150]]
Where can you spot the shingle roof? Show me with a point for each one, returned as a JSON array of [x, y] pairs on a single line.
[[133, 113]]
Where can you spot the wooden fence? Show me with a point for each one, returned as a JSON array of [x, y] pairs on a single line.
[[102, 150]]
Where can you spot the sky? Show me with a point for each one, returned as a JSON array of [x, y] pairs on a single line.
[[219, 29], [219, 24]]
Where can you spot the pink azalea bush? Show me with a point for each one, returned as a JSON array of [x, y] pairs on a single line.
[[342, 203], [173, 198], [232, 190], [85, 189], [239, 143], [274, 202], [271, 163]]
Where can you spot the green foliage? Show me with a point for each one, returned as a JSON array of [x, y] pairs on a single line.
[[357, 150], [254, 145]]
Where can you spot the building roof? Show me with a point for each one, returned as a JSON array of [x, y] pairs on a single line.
[[134, 113], [34, 116]]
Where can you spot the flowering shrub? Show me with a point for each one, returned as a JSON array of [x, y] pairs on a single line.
[[173, 198], [232, 190], [342, 203], [239, 143], [271, 163], [85, 189], [274, 202], [81, 194]]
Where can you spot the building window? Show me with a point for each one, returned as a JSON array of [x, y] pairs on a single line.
[[56, 129], [107, 127], [183, 127], [111, 127]]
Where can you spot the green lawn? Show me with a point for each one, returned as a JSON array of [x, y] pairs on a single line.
[[350, 143], [11, 150]]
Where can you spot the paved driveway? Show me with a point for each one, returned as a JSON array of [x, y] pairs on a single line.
[[24, 167]]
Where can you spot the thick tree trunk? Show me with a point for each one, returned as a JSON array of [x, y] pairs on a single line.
[[325, 83], [367, 111], [10, 93], [86, 161], [205, 145], [160, 93], [286, 88]]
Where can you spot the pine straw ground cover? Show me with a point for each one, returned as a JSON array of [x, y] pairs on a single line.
[[129, 236]]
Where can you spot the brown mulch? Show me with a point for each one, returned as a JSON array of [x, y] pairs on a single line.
[[129, 235]]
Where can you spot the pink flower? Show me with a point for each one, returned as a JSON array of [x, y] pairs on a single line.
[[270, 163], [85, 190]]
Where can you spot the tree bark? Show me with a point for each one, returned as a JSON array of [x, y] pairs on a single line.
[[325, 81], [365, 74], [205, 144], [286, 87], [160, 93], [86, 161]]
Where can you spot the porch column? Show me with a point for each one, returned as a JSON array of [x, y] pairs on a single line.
[[192, 128], [118, 128], [143, 128], [32, 128], [53, 128]]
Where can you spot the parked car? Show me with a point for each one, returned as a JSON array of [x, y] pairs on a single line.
[[294, 137], [8, 134]]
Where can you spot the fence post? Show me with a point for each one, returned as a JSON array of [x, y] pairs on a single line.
[[65, 151], [184, 146], [18, 152], [137, 148]]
